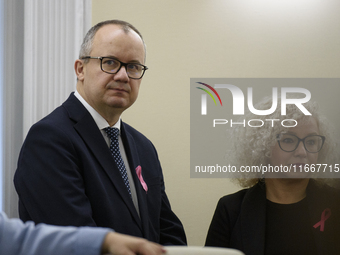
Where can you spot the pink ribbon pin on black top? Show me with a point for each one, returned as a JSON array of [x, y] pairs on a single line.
[[140, 177], [324, 216]]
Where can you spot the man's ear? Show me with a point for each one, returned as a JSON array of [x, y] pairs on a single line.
[[79, 69]]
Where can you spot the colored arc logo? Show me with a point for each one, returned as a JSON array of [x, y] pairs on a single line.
[[208, 92]]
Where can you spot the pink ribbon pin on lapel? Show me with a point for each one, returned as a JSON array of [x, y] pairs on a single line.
[[140, 177], [324, 216]]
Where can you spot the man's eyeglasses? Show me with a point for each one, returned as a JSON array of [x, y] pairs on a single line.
[[289, 142], [112, 66]]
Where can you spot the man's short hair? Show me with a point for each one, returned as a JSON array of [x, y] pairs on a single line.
[[86, 47]]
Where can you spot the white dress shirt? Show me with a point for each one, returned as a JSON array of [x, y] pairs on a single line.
[[102, 124]]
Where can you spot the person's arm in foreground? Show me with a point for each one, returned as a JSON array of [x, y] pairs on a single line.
[[119, 244], [18, 238]]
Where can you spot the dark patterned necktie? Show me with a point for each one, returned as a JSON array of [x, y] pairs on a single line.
[[114, 148]]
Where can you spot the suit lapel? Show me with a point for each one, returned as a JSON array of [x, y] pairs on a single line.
[[134, 162], [91, 135], [253, 220]]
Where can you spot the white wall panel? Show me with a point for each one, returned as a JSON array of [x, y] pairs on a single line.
[[42, 41], [53, 34]]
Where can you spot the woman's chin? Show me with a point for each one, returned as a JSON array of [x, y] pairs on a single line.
[[294, 173]]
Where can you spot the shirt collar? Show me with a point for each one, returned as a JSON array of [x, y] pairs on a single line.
[[100, 121]]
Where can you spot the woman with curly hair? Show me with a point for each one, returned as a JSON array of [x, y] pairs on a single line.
[[287, 211]]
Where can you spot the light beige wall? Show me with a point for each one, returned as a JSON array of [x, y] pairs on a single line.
[[208, 39]]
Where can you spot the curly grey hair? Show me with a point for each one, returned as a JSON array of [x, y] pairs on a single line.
[[252, 146]]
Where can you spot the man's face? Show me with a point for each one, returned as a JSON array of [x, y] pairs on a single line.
[[107, 93]]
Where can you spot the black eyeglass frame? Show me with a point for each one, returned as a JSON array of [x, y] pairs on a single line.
[[121, 64], [303, 142]]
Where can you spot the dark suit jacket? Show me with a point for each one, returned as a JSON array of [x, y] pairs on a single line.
[[66, 175], [240, 220]]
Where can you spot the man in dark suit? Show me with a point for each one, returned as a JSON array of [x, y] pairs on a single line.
[[70, 170]]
